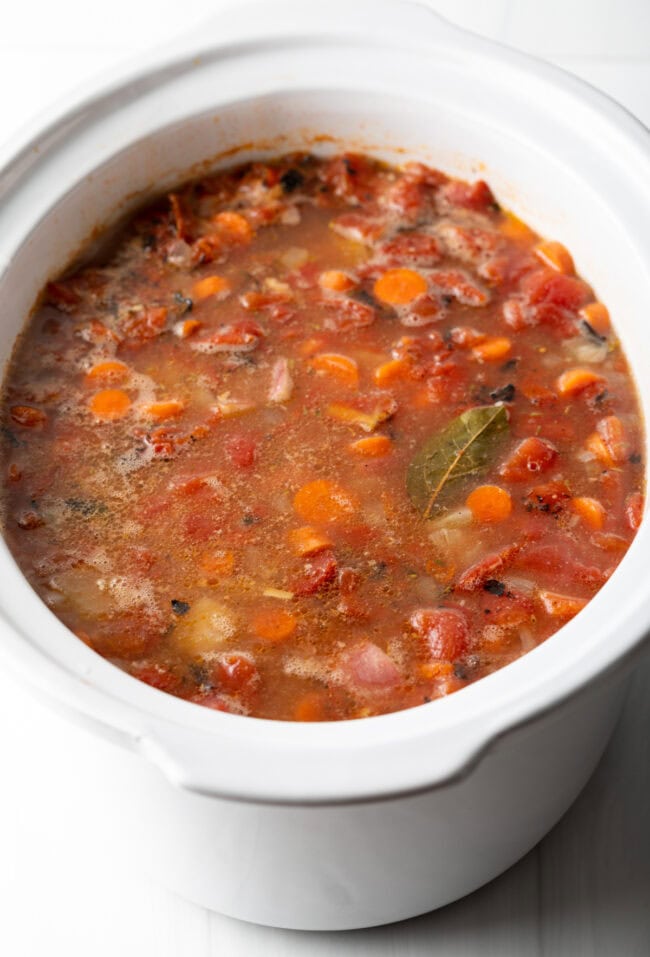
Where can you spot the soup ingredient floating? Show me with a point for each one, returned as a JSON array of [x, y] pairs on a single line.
[[320, 439]]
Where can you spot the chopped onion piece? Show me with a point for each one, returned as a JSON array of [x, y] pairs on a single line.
[[294, 258], [278, 593], [459, 518], [281, 381]]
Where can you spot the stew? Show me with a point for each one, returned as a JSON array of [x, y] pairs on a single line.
[[320, 438]]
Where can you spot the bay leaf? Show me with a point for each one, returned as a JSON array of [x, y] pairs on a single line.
[[464, 448]]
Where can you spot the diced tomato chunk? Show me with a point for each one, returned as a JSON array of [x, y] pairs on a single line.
[[552, 497], [553, 559], [634, 510], [550, 287], [319, 571], [347, 314], [489, 567], [477, 196], [445, 630], [530, 457], [366, 667], [241, 450], [235, 673]]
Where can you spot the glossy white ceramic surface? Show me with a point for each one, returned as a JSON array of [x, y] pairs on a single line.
[[578, 169]]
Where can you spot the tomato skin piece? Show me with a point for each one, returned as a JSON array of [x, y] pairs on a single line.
[[548, 287], [28, 416], [319, 572], [489, 567], [530, 457], [634, 510], [445, 630], [414, 247]]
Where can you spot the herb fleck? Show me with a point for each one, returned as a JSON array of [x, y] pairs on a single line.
[[85, 506], [505, 394], [180, 607], [291, 180], [184, 301], [494, 587]]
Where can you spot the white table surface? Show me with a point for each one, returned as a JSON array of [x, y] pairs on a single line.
[[583, 892]]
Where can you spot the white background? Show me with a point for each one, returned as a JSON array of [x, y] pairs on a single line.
[[584, 892]]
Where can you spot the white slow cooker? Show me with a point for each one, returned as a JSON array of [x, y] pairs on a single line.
[[353, 823]]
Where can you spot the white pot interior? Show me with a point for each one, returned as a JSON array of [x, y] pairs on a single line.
[[550, 152]]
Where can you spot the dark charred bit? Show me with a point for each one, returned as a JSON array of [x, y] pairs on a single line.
[[591, 332], [184, 301], [509, 365], [364, 296], [349, 166], [635, 458], [148, 241], [494, 587], [11, 438], [249, 519], [86, 507], [378, 570], [199, 673], [180, 607], [291, 180], [505, 394]]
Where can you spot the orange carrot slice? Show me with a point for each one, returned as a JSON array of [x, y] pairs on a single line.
[[322, 502], [561, 606], [513, 227], [167, 409], [334, 280], [397, 287], [234, 225], [111, 370], [590, 511], [489, 504], [110, 404], [217, 286], [274, 624], [185, 328], [395, 370], [219, 564], [556, 256], [597, 315], [574, 381], [492, 349], [372, 447], [340, 367], [307, 540]]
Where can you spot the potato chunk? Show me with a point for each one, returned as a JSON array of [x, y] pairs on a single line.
[[205, 628]]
